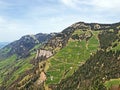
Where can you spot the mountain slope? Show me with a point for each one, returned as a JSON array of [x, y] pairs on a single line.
[[99, 67], [69, 58], [93, 73], [84, 56], [16, 58], [84, 62]]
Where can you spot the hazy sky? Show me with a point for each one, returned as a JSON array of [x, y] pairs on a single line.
[[21, 17]]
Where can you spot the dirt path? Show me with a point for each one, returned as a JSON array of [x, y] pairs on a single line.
[[42, 78]]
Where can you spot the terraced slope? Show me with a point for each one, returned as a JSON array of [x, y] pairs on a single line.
[[68, 59], [99, 68]]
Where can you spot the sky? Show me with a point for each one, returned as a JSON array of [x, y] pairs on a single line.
[[23, 17]]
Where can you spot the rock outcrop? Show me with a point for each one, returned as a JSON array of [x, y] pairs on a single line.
[[43, 53]]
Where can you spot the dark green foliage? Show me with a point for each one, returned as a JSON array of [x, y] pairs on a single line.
[[76, 36], [100, 67], [107, 38]]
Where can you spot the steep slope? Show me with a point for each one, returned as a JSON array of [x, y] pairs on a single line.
[[84, 56], [31, 80], [16, 58], [100, 67], [69, 58], [93, 74], [87, 44], [71, 49]]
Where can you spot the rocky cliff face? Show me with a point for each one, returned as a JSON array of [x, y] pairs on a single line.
[[43, 53]]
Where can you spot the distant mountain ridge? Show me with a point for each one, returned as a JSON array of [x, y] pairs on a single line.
[[22, 46], [2, 44]]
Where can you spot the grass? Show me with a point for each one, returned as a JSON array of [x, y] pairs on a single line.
[[35, 47], [8, 65], [24, 65], [118, 44], [112, 82], [79, 31], [5, 66], [7, 61], [116, 48], [5, 50], [69, 58]]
